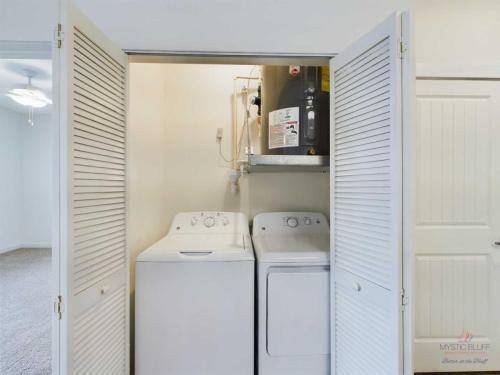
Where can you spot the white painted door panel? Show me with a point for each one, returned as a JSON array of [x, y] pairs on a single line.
[[297, 313], [366, 201], [457, 220], [94, 271]]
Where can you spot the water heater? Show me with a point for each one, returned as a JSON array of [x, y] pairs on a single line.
[[298, 117]]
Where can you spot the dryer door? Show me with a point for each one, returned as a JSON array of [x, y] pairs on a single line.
[[298, 312]]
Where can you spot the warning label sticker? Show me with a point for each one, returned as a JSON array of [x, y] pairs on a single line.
[[284, 128]]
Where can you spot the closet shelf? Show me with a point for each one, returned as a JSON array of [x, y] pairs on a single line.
[[288, 163]]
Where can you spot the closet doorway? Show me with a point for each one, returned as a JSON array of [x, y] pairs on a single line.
[[26, 208]]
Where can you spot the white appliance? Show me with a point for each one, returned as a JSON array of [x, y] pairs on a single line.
[[194, 305], [292, 250]]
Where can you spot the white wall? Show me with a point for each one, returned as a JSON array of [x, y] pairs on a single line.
[[10, 181], [25, 187], [174, 161], [463, 32], [316, 26], [148, 197], [37, 181], [457, 37], [270, 26], [28, 20], [459, 31]]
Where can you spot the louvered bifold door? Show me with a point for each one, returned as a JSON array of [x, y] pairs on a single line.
[[94, 150], [366, 204]]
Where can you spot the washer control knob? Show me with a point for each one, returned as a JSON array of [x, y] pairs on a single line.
[[292, 222], [307, 221], [209, 222], [225, 221], [194, 220]]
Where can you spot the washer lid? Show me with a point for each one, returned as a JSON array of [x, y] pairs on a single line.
[[301, 248], [199, 248]]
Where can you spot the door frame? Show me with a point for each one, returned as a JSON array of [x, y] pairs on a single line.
[[408, 67], [204, 57], [48, 51], [58, 189], [210, 57]]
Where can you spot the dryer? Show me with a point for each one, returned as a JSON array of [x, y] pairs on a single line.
[[292, 250], [194, 303]]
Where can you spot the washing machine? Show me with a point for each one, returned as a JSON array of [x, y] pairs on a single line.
[[293, 293], [194, 302]]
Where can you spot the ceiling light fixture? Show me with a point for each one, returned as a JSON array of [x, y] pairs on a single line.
[[30, 97]]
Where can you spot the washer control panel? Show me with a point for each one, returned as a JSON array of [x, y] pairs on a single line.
[[210, 219], [290, 222], [209, 222]]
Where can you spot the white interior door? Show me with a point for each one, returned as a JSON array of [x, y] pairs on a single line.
[[94, 270], [366, 204], [457, 223]]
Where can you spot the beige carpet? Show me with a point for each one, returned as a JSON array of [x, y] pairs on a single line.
[[25, 312]]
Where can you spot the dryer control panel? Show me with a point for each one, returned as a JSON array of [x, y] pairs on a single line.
[[290, 222], [210, 222]]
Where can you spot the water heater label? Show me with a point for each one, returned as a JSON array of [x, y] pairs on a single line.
[[284, 128]]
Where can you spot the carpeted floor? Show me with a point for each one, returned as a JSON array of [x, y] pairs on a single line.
[[25, 312]]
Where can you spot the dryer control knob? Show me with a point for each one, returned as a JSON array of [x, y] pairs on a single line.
[[209, 222], [292, 222]]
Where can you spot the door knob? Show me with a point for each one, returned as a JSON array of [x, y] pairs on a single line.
[[496, 243], [357, 287]]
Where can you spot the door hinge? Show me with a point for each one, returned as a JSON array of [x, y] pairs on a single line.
[[59, 35], [403, 47], [404, 299], [58, 307]]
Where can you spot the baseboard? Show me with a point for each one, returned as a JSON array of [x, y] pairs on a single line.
[[8, 248], [35, 246], [25, 246]]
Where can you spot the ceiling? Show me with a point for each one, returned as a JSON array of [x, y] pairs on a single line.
[[12, 75]]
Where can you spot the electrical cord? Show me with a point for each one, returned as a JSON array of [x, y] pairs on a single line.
[[222, 155]]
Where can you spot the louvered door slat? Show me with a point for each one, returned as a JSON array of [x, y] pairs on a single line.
[[95, 129], [98, 202], [96, 107], [83, 157], [366, 205], [89, 89], [93, 151], [354, 94], [110, 66], [98, 333], [91, 76], [83, 115], [114, 144], [99, 95]]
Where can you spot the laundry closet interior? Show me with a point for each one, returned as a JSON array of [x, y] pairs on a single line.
[[188, 139], [213, 146]]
